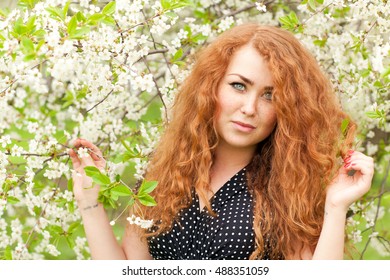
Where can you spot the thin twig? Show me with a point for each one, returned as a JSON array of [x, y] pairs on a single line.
[[100, 102], [232, 14], [157, 88]]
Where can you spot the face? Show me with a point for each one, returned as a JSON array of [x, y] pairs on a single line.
[[246, 114]]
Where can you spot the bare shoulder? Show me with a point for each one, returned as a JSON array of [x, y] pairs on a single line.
[[134, 247]]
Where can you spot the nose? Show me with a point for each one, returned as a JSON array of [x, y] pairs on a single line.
[[249, 105]]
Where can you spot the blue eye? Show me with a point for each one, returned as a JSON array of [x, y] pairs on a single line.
[[238, 86], [268, 95]]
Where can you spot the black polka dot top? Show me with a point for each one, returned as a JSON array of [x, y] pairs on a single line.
[[200, 236]]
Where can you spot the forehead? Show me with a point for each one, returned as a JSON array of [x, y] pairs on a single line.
[[248, 62]]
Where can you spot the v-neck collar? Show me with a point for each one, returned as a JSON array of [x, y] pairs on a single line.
[[230, 188]]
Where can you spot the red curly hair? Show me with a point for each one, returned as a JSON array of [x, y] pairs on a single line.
[[290, 170]]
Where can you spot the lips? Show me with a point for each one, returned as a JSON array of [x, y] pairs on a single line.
[[245, 127]]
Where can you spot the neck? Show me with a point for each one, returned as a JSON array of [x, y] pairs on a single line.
[[232, 158]]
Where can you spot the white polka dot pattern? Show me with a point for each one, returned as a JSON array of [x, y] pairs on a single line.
[[230, 235]]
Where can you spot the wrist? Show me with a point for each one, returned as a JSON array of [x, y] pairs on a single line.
[[87, 204], [335, 210]]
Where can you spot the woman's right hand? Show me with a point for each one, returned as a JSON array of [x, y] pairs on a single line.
[[84, 190]]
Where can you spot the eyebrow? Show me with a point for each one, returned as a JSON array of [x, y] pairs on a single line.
[[245, 79], [250, 82]]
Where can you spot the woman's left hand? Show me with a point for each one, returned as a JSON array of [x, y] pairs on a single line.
[[346, 189]]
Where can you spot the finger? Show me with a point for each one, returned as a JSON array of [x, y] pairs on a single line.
[[90, 146], [75, 159], [87, 161], [357, 155], [366, 167], [94, 151], [97, 156]]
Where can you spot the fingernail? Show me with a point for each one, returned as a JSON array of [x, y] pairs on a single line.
[[347, 165]]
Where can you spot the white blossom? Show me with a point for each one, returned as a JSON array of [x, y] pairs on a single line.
[[83, 152], [134, 220], [225, 24], [5, 140], [261, 7]]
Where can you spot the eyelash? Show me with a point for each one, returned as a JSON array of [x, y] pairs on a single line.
[[235, 84]]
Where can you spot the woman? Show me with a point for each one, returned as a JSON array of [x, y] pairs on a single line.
[[249, 166]]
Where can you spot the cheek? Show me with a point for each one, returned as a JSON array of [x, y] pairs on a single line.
[[269, 117], [226, 105]]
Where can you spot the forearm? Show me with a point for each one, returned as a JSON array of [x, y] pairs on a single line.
[[101, 239], [331, 242]]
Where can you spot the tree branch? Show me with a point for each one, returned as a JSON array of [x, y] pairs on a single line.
[[100, 102]]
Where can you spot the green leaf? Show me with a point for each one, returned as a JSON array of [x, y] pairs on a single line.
[[101, 179], [178, 54], [294, 17], [146, 200], [373, 115], [8, 253], [80, 32], [179, 63], [30, 57], [385, 73], [291, 22], [19, 27], [65, 10], [91, 170], [97, 176], [30, 24], [80, 17], [56, 13], [147, 187], [121, 190], [320, 43], [109, 20], [72, 25], [95, 18], [73, 226], [68, 99], [55, 230], [71, 206], [110, 8], [312, 4], [40, 43], [27, 3], [199, 37], [27, 45], [70, 185], [171, 14], [175, 4], [39, 33], [344, 125], [70, 241], [12, 200], [125, 145], [165, 4], [286, 21]]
